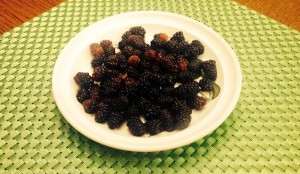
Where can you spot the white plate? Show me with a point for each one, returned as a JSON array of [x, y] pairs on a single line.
[[75, 57]]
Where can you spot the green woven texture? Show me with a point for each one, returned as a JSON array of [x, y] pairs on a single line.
[[262, 134]]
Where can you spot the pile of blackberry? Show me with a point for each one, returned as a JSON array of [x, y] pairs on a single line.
[[150, 87]]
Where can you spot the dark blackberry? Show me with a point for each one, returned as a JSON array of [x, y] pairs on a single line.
[[126, 35], [187, 76], [133, 110], [191, 52], [132, 72], [198, 103], [182, 119], [128, 50], [171, 46], [206, 85], [169, 65], [167, 121], [165, 101], [167, 80], [110, 86], [106, 44], [187, 90], [90, 106], [177, 105], [121, 62], [111, 62], [115, 120], [98, 61], [122, 44], [209, 69], [198, 44], [182, 64], [178, 37], [121, 103], [136, 126], [194, 66], [157, 43], [167, 89], [102, 113], [110, 51], [95, 93], [153, 127], [102, 72], [82, 95], [136, 41], [138, 30], [84, 80], [96, 50], [181, 47]]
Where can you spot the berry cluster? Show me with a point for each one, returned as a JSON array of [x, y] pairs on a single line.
[[137, 83]]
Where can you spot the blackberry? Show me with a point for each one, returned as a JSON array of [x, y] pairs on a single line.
[[133, 110], [121, 62], [136, 41], [171, 46], [98, 61], [134, 60], [111, 62], [150, 54], [187, 90], [198, 44], [110, 51], [128, 50], [182, 119], [169, 65], [136, 126], [165, 101], [167, 80], [138, 30], [191, 52], [95, 93], [162, 36], [132, 72], [167, 121], [122, 44], [115, 120], [181, 47], [126, 35], [167, 89], [194, 66], [153, 126], [157, 43], [82, 95], [110, 86], [209, 69], [102, 72], [84, 80], [96, 50], [178, 37], [206, 85], [182, 64], [177, 105], [102, 113], [198, 103], [187, 76], [90, 106], [121, 103], [106, 44]]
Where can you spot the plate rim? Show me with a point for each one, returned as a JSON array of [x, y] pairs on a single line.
[[188, 140]]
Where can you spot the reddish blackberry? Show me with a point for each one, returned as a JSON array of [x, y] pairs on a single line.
[[187, 90], [162, 36], [209, 69], [96, 50], [178, 37], [153, 126], [84, 80], [167, 121], [134, 60], [150, 54], [206, 85], [138, 30], [115, 120], [182, 64], [198, 44], [136, 126], [98, 61], [82, 95], [90, 106], [198, 103], [187, 76], [136, 41], [102, 113], [106, 44]]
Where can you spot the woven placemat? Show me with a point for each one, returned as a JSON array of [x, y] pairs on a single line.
[[261, 135]]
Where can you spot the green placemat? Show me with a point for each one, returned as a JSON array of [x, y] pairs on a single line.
[[261, 135]]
